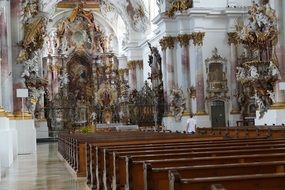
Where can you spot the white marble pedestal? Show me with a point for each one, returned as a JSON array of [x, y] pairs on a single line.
[[26, 134], [272, 116], [6, 143], [203, 121], [42, 129]]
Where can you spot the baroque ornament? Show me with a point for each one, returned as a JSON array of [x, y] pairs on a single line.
[[184, 39], [34, 30], [198, 38], [232, 38], [167, 42], [260, 70], [177, 103], [179, 5]]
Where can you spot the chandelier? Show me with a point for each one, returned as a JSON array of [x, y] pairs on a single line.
[[260, 68]]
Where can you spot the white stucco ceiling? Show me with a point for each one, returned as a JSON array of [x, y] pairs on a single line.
[[133, 12]]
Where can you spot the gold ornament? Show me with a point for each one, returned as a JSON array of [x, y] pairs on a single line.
[[184, 39], [198, 38]]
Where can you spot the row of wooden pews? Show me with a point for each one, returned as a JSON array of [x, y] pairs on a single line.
[[274, 131], [142, 161]]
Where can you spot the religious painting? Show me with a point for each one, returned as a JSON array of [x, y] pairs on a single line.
[[80, 77]]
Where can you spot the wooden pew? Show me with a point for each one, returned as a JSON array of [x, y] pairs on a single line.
[[98, 164], [157, 178], [187, 150], [134, 169], [273, 181], [75, 144], [113, 159]]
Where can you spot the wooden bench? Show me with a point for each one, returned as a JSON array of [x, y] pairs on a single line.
[[135, 169], [274, 181], [182, 152], [157, 178], [73, 146], [96, 164], [115, 157], [118, 157]]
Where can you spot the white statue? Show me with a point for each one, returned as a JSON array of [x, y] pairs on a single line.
[[240, 73], [253, 72], [271, 95], [274, 70]]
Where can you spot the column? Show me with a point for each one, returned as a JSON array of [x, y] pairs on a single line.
[[169, 65], [164, 73], [139, 68], [126, 75], [132, 74], [280, 96], [121, 74], [200, 98], [50, 76], [6, 84], [185, 61], [232, 41]]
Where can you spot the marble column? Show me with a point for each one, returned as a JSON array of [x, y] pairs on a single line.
[[6, 84], [55, 70], [49, 76], [126, 75], [132, 74], [121, 73], [169, 62], [200, 98], [184, 40], [232, 41], [16, 36], [1, 52], [164, 73], [280, 95], [140, 81]]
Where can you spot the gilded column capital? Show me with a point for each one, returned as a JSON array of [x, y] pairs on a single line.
[[184, 39], [121, 72], [179, 5], [55, 67], [140, 64], [232, 38], [133, 64], [162, 44], [167, 42], [198, 38]]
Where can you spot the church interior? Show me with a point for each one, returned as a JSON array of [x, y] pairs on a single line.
[[97, 94]]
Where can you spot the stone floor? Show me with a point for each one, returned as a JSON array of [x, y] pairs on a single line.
[[41, 171]]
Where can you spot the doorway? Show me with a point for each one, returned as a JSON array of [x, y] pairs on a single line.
[[218, 114]]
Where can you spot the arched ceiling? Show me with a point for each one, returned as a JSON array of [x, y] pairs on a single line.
[[133, 12]]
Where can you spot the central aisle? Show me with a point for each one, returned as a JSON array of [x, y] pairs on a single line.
[[41, 171]]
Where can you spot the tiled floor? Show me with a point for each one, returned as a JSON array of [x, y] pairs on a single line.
[[41, 171]]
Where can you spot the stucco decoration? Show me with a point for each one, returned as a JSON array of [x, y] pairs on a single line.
[[178, 5], [259, 70], [133, 12], [79, 31], [34, 30], [177, 103], [34, 27], [108, 10], [35, 84]]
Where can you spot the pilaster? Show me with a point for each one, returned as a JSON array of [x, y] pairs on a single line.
[[200, 90]]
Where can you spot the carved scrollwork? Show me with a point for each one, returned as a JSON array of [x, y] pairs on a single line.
[[179, 5], [198, 38], [177, 103]]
